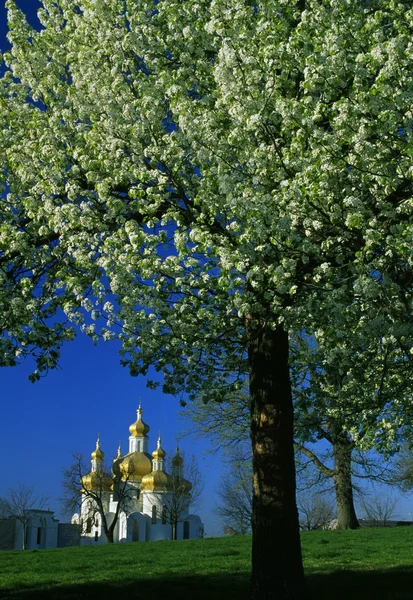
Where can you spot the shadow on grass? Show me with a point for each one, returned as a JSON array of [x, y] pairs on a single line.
[[392, 584], [389, 584], [174, 588]]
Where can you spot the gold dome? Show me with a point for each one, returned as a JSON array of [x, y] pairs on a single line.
[[159, 453], [97, 454], [157, 481], [139, 428], [134, 466], [97, 481], [177, 460], [116, 464]]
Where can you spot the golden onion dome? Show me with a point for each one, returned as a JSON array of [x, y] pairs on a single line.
[[116, 463], [157, 481], [177, 460], [159, 453], [97, 482], [139, 428], [97, 454], [135, 465]]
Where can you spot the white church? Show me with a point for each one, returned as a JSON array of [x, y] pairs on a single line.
[[150, 503]]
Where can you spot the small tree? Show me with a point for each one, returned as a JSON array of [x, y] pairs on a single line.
[[79, 486], [22, 503], [315, 511], [235, 495], [379, 510]]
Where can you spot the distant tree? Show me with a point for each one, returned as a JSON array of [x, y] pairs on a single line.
[[315, 511], [81, 486], [343, 394], [379, 509], [321, 413], [235, 498], [181, 490], [22, 503]]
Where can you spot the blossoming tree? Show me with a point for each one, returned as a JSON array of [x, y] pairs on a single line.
[[208, 176]]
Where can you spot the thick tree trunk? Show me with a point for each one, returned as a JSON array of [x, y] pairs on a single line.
[[346, 513], [277, 571]]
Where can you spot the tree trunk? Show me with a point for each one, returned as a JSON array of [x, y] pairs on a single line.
[[346, 513], [108, 531], [174, 530], [277, 571], [24, 529]]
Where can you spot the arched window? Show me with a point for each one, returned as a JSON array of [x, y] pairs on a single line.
[[88, 525], [164, 515], [186, 530], [153, 515], [135, 531]]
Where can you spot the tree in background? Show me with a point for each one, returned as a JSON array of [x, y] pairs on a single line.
[[321, 414], [315, 510], [235, 496], [22, 504], [378, 510], [94, 489], [209, 178], [354, 397]]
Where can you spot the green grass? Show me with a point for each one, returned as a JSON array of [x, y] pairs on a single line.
[[374, 563]]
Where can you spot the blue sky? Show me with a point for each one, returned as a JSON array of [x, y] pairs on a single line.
[[43, 424]]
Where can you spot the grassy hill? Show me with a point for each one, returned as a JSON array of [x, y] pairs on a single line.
[[364, 564]]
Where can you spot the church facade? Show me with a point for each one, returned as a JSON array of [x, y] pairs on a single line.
[[139, 500]]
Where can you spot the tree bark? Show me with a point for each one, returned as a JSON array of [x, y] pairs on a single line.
[[108, 531], [277, 570], [346, 513]]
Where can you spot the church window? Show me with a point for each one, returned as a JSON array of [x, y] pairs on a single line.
[[186, 530], [39, 535], [138, 493], [96, 536], [153, 515], [135, 531], [97, 522], [139, 446], [88, 525]]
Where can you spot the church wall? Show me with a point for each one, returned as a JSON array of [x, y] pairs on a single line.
[[136, 528], [196, 527], [41, 532], [68, 534], [158, 532], [7, 534]]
